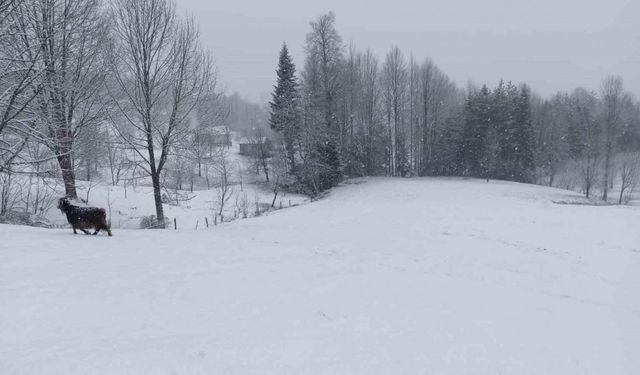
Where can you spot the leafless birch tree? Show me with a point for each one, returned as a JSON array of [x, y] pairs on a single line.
[[394, 90]]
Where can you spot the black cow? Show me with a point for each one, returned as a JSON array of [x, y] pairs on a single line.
[[84, 218]]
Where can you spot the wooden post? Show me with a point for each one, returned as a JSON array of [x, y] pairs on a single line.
[[197, 222], [206, 220], [215, 220], [289, 202], [175, 224]]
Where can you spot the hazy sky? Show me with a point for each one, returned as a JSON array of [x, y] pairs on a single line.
[[550, 44]]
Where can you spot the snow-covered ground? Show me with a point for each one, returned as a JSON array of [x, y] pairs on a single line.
[[126, 209], [127, 204], [421, 276]]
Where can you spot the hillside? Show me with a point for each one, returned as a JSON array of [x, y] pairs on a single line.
[[385, 276]]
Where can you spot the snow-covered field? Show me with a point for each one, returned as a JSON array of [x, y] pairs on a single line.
[[421, 276]]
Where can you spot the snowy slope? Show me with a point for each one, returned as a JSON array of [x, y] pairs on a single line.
[[423, 276]]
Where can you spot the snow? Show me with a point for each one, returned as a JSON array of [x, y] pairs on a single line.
[[385, 276], [127, 209], [126, 204]]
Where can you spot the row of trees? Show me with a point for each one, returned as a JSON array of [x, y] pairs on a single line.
[[348, 114], [596, 134], [127, 82], [80, 79]]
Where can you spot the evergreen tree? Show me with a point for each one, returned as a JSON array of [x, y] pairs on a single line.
[[512, 123], [503, 123], [523, 152], [477, 119], [285, 116]]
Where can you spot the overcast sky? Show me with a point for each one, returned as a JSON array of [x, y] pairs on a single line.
[[550, 44]]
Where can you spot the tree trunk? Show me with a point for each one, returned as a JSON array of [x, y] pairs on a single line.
[[265, 167], [157, 197], [292, 159], [607, 166], [275, 195], [68, 176]]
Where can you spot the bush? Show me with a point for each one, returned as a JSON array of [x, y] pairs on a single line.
[[24, 218], [151, 222]]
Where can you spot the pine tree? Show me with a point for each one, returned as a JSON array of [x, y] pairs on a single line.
[[285, 115], [477, 119], [504, 99], [523, 153]]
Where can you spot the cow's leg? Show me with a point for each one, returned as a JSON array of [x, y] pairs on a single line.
[[84, 230], [74, 230], [97, 230]]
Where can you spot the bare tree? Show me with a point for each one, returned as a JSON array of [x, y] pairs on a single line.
[[223, 183], [117, 158], [550, 122], [437, 94], [69, 35], [260, 152], [161, 73], [242, 205], [583, 105], [208, 118], [19, 69], [613, 100], [629, 170], [373, 129], [394, 89], [322, 162]]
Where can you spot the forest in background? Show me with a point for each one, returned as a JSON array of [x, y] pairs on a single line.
[[348, 113], [120, 91]]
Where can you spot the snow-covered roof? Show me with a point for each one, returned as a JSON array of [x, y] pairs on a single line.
[[253, 140]]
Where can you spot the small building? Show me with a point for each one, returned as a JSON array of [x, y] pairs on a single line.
[[217, 136], [255, 147]]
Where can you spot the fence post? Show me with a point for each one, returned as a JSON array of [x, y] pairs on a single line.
[[206, 220], [175, 223]]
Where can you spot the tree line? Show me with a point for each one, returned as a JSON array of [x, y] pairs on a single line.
[[349, 114], [127, 85]]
